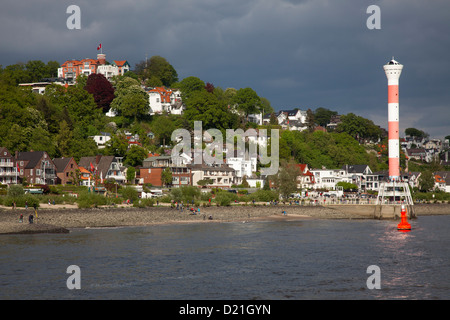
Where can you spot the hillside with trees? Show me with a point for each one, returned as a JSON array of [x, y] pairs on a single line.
[[62, 120]]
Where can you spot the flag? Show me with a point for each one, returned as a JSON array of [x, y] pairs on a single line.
[[92, 167], [99, 46], [18, 169]]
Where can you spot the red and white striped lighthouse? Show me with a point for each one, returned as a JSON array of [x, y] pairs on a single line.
[[393, 69]]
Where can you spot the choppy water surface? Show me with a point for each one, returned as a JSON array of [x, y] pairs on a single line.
[[313, 259]]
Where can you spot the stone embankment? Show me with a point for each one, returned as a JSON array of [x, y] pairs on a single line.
[[58, 219]]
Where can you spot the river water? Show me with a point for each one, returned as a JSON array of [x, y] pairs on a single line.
[[311, 259]]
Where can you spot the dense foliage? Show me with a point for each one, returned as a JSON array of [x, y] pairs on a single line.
[[62, 120]]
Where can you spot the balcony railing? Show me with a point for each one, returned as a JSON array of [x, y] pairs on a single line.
[[7, 174], [6, 164]]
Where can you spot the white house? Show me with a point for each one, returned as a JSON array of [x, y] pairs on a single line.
[[244, 166], [362, 176], [444, 181], [328, 178], [165, 100], [102, 139], [221, 176]]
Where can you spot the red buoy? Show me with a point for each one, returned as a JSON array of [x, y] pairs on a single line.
[[404, 226]]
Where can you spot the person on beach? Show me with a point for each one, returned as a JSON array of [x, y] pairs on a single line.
[[21, 218], [30, 218]]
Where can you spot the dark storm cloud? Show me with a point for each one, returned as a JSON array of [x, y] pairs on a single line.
[[306, 54]]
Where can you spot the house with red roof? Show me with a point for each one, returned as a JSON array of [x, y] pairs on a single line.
[[165, 100], [439, 182], [305, 180], [71, 69], [122, 65]]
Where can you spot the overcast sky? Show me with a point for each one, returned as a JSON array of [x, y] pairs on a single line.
[[296, 53]]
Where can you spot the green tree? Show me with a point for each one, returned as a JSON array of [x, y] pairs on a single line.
[[135, 155], [188, 86], [157, 67], [163, 126], [273, 119], [117, 145], [81, 146], [40, 140], [266, 107], [286, 178], [347, 186], [63, 139], [310, 121], [131, 100], [358, 127], [166, 176], [413, 132], [129, 193], [80, 105], [50, 112], [426, 181], [15, 191], [131, 174], [323, 116], [204, 182], [153, 81], [205, 107], [247, 101]]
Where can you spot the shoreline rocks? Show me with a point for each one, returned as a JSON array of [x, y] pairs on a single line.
[[60, 219], [27, 228]]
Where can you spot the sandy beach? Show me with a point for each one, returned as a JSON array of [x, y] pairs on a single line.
[[61, 218]]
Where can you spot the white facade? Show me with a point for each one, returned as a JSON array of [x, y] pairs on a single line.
[[221, 177], [328, 178], [243, 167], [108, 70], [165, 100], [102, 139], [259, 140]]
